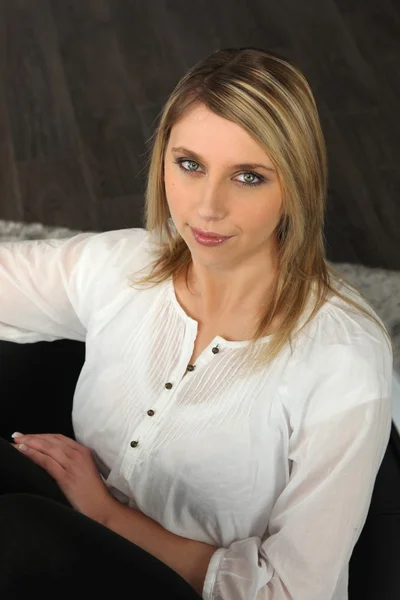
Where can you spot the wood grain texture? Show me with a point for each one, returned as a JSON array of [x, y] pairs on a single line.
[[10, 198]]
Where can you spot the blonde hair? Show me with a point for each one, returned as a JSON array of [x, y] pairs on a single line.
[[272, 101]]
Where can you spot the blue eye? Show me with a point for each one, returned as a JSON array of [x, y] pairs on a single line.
[[260, 178]]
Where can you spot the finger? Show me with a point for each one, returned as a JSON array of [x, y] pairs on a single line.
[[49, 464], [49, 447], [69, 441], [55, 437]]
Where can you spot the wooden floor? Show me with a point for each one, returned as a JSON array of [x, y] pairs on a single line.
[[82, 82]]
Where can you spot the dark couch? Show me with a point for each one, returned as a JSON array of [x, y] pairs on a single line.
[[38, 382]]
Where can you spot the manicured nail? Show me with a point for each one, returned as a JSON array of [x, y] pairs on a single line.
[[16, 434], [23, 447]]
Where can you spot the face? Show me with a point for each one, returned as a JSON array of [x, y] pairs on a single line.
[[207, 189]]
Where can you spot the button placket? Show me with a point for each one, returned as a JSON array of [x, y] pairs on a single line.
[[191, 368], [169, 386], [135, 443]]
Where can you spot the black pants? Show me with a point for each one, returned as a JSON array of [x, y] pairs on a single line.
[[51, 550]]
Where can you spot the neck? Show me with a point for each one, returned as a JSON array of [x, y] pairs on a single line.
[[243, 293]]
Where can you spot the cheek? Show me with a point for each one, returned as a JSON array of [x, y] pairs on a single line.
[[169, 187], [177, 194], [257, 216], [267, 209], [171, 184]]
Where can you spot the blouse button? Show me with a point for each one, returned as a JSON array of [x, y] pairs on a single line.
[[150, 413], [215, 350], [134, 444], [168, 386], [190, 367]]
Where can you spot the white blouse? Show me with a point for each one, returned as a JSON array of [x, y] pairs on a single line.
[[276, 470]]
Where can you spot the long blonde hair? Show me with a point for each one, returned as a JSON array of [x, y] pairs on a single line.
[[272, 101]]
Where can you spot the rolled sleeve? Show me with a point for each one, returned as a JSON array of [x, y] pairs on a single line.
[[340, 427]]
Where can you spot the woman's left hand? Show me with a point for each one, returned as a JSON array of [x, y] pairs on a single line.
[[72, 466]]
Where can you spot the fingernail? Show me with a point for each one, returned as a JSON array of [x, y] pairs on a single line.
[[16, 434], [23, 447]]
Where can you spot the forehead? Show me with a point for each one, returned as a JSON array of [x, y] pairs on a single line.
[[211, 135], [201, 119]]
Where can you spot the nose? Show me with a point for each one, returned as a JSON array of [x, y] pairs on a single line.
[[212, 203]]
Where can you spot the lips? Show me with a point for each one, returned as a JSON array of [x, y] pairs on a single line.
[[210, 235]]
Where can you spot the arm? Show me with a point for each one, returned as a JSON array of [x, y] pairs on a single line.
[[37, 289], [50, 288], [339, 408], [188, 558]]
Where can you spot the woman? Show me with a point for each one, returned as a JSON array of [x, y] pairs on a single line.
[[230, 418]]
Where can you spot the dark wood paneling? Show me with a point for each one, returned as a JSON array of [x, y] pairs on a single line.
[[45, 136], [10, 200], [102, 95]]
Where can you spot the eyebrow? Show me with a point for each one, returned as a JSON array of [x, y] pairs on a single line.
[[239, 166]]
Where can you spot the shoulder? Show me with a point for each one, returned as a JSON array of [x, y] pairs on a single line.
[[341, 326], [344, 359], [117, 239], [103, 262], [115, 248]]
